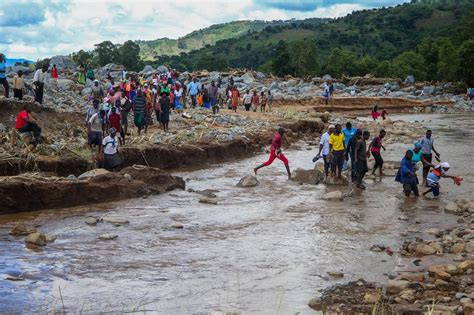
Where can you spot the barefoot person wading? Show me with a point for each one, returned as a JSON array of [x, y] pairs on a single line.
[[275, 152]]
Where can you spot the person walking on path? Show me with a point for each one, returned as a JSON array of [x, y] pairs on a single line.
[[375, 148], [18, 85], [275, 152], [406, 175], [263, 102], [324, 150], [95, 129], [3, 77], [427, 147], [165, 111], [193, 89], [247, 100], [235, 98], [139, 110], [213, 95], [336, 149], [255, 101], [269, 101], [360, 158], [38, 81], [109, 151]]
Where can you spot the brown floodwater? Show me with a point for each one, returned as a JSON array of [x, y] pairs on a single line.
[[263, 250]]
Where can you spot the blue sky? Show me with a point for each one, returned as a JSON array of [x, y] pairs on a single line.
[[44, 28]]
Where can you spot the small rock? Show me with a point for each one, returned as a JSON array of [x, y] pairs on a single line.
[[336, 274], [177, 225], [36, 239], [424, 249], [396, 286], [457, 248], [467, 264], [115, 220], [451, 207], [248, 181], [415, 277], [108, 236], [49, 238], [13, 278], [91, 220], [371, 298], [333, 195], [212, 201], [439, 272], [315, 304], [128, 177], [20, 229], [469, 248]]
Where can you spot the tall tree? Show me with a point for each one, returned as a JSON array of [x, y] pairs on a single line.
[[281, 61], [466, 68], [106, 52], [129, 55], [304, 58], [409, 63]]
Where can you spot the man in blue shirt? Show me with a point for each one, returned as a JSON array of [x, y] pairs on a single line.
[[406, 175], [348, 132], [193, 89], [3, 77]]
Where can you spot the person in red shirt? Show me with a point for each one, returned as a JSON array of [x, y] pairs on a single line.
[[114, 122], [25, 124], [275, 152], [54, 72]]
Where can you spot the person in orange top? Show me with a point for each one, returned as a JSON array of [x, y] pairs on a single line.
[[54, 72], [263, 102], [25, 124], [200, 99], [235, 98]]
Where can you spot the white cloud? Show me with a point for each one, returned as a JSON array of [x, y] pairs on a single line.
[[69, 26]]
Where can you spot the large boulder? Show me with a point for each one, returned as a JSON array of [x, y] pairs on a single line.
[[15, 69], [162, 69], [214, 75], [148, 69], [327, 77], [62, 62], [247, 78], [260, 75], [429, 90], [410, 80], [248, 181], [333, 195], [65, 84], [93, 173], [36, 238], [313, 176]]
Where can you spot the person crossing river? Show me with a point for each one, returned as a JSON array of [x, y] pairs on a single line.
[[275, 152]]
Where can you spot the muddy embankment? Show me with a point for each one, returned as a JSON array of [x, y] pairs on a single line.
[[28, 192], [166, 157]]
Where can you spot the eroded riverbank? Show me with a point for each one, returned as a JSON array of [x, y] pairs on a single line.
[[260, 250]]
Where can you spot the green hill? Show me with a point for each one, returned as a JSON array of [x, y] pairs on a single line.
[[206, 37], [381, 34]]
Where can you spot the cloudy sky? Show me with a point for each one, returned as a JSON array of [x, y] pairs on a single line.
[[43, 28]]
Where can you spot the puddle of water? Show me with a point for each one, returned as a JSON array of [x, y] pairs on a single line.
[[262, 250]]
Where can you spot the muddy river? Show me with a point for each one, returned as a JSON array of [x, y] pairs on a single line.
[[263, 250]]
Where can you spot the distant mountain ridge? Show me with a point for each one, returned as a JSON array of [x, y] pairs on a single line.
[[209, 36]]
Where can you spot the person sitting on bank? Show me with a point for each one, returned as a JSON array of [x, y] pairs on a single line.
[[109, 151], [24, 123]]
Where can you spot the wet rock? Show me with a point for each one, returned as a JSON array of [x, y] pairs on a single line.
[[93, 173], [208, 200], [333, 195], [115, 220], [315, 304], [21, 229], [49, 238], [91, 220], [396, 286], [14, 278], [36, 239], [207, 193], [248, 181], [307, 176], [336, 274], [177, 225], [343, 181], [451, 207], [108, 236]]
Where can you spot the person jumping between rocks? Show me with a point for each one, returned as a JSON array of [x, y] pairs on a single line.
[[275, 152]]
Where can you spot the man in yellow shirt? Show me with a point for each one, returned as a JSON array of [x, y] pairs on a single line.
[[336, 149]]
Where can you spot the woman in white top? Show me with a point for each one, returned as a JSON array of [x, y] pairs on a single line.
[[109, 151]]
